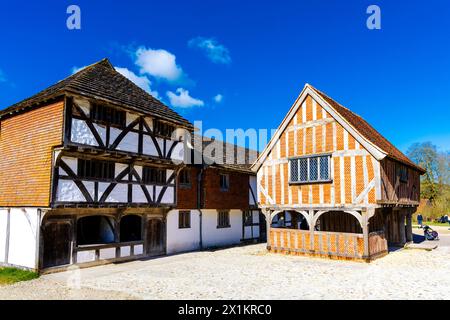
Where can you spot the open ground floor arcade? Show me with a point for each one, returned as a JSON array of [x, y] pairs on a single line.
[[362, 234]]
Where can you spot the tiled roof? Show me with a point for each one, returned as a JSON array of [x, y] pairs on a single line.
[[234, 157], [367, 131], [101, 81]]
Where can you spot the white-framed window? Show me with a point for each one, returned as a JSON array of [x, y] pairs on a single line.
[[310, 169]]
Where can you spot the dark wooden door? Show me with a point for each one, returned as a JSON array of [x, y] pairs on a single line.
[[262, 228], [155, 237], [57, 237]]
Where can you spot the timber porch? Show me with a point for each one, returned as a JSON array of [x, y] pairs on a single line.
[[360, 234], [89, 237]]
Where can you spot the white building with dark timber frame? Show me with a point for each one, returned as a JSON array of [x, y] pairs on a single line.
[[89, 174]]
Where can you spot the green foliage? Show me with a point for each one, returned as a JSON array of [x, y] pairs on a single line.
[[12, 275], [435, 183]]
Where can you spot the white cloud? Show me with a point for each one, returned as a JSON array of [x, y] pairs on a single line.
[[218, 98], [141, 81], [2, 76], [76, 69], [158, 63], [182, 99], [215, 51]]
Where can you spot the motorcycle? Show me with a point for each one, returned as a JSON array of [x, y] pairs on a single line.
[[430, 234]]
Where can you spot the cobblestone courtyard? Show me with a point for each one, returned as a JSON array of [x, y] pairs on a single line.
[[251, 273]]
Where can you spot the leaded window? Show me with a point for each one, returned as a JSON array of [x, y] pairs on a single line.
[[310, 169]]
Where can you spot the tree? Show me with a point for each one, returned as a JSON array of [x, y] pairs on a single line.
[[425, 155]]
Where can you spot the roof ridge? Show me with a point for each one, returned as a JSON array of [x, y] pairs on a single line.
[[387, 147], [225, 142], [324, 94]]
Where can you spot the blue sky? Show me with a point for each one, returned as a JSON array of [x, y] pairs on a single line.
[[241, 64]]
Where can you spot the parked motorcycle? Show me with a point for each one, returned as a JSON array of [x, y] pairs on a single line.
[[430, 234]]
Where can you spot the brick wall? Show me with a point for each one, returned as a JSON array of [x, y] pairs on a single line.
[[237, 197], [26, 142], [187, 196]]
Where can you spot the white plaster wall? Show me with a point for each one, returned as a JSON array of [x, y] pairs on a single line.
[[130, 117], [24, 227], [181, 240], [138, 195], [3, 226], [129, 143], [118, 194], [113, 134], [82, 134], [177, 152], [169, 194], [149, 147], [149, 122], [90, 186], [101, 130], [68, 191], [138, 169], [119, 168], [72, 163], [84, 105], [213, 236]]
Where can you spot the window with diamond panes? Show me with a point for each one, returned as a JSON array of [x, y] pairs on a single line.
[[310, 169], [303, 163], [313, 169], [294, 171], [324, 170]]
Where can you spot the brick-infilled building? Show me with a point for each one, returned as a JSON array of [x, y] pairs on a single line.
[[90, 173], [218, 198], [331, 185]]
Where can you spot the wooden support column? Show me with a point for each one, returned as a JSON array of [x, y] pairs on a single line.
[[365, 228], [409, 233], [401, 226], [268, 214], [311, 229]]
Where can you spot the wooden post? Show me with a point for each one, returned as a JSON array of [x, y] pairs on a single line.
[[401, 226], [409, 233], [365, 228], [311, 229], [267, 214]]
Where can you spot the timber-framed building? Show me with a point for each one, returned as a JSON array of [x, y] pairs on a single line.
[[93, 170], [330, 185]]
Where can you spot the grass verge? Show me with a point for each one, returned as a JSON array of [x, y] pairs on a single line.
[[12, 275]]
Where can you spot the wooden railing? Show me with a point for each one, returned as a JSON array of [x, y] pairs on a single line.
[[377, 243], [110, 251], [347, 245]]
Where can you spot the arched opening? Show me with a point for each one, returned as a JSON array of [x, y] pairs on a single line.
[[131, 228], [95, 230], [338, 221], [290, 220]]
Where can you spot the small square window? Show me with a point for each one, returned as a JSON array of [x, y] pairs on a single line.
[[185, 178], [224, 182], [223, 219], [184, 219]]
